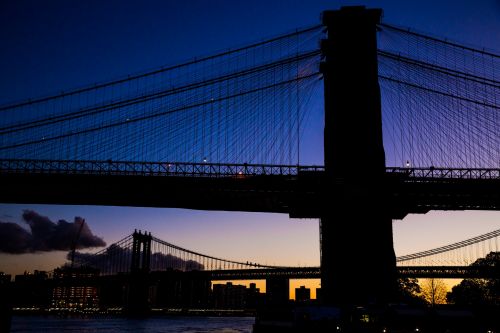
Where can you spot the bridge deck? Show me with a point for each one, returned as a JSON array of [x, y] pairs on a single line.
[[444, 272], [187, 169], [300, 191], [451, 272]]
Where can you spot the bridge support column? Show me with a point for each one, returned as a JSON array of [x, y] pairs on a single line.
[[277, 291], [138, 292], [141, 252], [358, 262]]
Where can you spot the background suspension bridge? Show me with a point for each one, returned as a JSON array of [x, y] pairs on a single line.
[[159, 255]]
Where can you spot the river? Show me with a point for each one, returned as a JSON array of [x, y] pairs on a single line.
[[52, 324]]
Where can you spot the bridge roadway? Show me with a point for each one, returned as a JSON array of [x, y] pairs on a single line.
[[444, 272], [299, 191]]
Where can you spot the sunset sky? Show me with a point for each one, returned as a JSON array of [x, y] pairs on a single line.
[[58, 45]]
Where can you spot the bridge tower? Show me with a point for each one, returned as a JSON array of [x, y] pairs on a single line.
[[358, 264], [138, 289], [141, 252]]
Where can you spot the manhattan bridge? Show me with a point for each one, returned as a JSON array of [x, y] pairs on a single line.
[[411, 124]]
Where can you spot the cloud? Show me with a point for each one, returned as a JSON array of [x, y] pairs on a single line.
[[14, 239], [116, 259], [160, 261], [45, 235]]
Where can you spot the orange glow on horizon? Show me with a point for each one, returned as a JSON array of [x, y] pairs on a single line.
[[294, 283]]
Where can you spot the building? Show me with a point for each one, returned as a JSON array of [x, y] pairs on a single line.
[[73, 288], [229, 296], [254, 297], [277, 291], [302, 294], [178, 289], [5, 278], [236, 297], [31, 290]]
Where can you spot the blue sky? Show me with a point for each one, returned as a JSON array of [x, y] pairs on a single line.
[[58, 45]]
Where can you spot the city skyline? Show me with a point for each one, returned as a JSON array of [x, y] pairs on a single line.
[[62, 62]]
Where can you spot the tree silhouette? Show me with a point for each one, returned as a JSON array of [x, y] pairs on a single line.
[[409, 291], [468, 292], [434, 291], [478, 291]]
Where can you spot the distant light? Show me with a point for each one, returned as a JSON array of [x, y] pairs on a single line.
[[407, 163], [204, 160], [417, 330], [240, 173]]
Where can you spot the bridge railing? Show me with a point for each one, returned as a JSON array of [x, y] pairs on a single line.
[[315, 272], [149, 168], [459, 272], [445, 173], [187, 169]]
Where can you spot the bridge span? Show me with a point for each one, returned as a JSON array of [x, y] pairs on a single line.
[[442, 272], [417, 101], [295, 190]]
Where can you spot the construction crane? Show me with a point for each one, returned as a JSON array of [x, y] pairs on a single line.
[[75, 241]]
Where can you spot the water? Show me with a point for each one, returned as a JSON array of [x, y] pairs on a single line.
[[39, 324]]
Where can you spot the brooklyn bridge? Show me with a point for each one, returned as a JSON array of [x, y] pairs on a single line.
[[410, 125]]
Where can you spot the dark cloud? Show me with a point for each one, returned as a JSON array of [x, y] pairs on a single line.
[[160, 261], [45, 235], [14, 239], [116, 259]]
